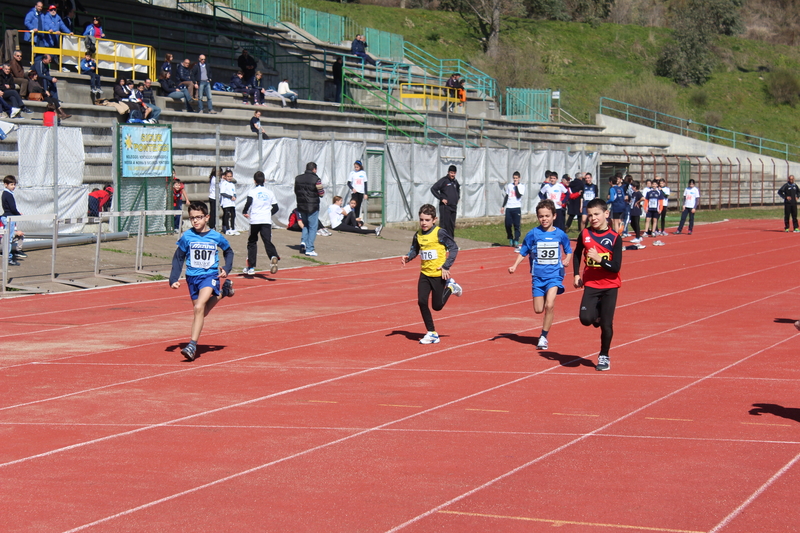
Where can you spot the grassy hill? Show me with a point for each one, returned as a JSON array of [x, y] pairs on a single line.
[[587, 62]]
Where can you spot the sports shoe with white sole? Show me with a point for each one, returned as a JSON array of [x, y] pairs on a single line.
[[312, 253], [227, 289], [542, 344], [378, 230], [190, 352], [249, 271], [454, 287], [273, 265], [603, 363], [430, 338]]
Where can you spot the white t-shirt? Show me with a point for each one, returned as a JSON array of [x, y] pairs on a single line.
[[283, 88], [335, 214], [691, 194], [261, 207], [513, 200], [556, 193], [666, 192], [227, 187], [212, 188], [359, 179]]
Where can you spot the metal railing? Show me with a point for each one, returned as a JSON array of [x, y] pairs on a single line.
[[698, 130], [443, 68], [530, 105]]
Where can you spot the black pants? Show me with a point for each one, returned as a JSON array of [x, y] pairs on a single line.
[[597, 309], [212, 211], [425, 286], [688, 211], [663, 217], [359, 198], [350, 225], [788, 210], [228, 218], [513, 220], [570, 218], [265, 230], [636, 227], [561, 216], [447, 219]]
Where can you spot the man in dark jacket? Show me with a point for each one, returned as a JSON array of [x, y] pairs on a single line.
[[789, 192], [359, 48], [448, 191], [308, 190], [183, 77], [248, 64], [202, 78], [42, 67]]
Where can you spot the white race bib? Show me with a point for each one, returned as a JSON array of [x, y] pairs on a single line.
[[202, 255], [547, 253], [652, 203], [588, 195], [428, 255]]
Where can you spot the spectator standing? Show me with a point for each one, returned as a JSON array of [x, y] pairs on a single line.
[[456, 86], [248, 65], [179, 198], [212, 198], [183, 78], [261, 204], [575, 201], [34, 22], [201, 76], [590, 192], [53, 23], [9, 209], [512, 208], [89, 68], [307, 191], [448, 191], [171, 90], [255, 125], [18, 73], [94, 30], [357, 183], [149, 99], [359, 48], [338, 76], [166, 66], [789, 191], [662, 184], [286, 92], [69, 20], [616, 197], [690, 196]]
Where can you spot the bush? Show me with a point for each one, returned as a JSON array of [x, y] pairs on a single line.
[[651, 94], [784, 87], [698, 98]]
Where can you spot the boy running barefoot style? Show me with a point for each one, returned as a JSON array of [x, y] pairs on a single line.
[[543, 246], [197, 248], [601, 249], [437, 251]]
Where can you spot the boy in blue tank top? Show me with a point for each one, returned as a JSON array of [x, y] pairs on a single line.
[[197, 249], [545, 246]]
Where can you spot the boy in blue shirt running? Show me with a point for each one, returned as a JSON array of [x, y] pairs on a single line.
[[197, 248], [545, 245]]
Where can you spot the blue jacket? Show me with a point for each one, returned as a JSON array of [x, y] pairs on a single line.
[[53, 23], [88, 67], [182, 74], [237, 84], [89, 31], [358, 48], [33, 21]]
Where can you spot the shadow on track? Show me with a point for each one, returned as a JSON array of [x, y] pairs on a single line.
[[790, 413]]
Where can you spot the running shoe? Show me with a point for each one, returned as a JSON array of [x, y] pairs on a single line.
[[273, 268], [13, 262], [454, 287], [786, 230], [249, 271], [640, 246], [302, 247], [676, 233], [797, 325], [689, 233], [227, 288], [658, 243], [430, 338], [542, 344], [190, 351], [378, 230], [796, 230], [603, 363], [312, 253], [21, 255], [636, 241]]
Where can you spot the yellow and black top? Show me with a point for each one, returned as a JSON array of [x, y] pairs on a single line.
[[437, 251]]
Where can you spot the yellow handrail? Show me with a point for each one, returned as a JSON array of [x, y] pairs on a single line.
[[429, 92], [109, 54]]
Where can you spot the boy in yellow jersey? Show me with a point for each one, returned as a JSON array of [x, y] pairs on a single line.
[[437, 251]]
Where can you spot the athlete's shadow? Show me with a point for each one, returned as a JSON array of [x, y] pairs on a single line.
[[563, 359], [258, 276], [522, 339], [791, 413], [785, 320], [201, 348]]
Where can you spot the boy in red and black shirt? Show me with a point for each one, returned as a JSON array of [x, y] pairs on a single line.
[[601, 249]]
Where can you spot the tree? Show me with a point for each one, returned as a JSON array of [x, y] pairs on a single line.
[[484, 17]]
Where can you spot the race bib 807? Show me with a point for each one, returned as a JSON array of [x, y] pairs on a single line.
[[202, 255]]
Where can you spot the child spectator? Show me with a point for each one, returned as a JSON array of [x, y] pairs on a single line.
[[295, 222], [9, 204], [690, 196], [654, 202], [227, 193], [545, 246], [197, 249], [590, 192], [662, 185], [344, 219], [259, 208], [98, 200], [616, 197], [437, 251], [512, 208], [601, 249], [636, 213], [212, 198], [49, 116], [357, 183], [166, 66], [178, 199], [255, 125], [89, 68]]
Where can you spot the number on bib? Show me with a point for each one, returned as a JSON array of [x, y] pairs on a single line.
[[591, 263], [201, 257], [652, 203], [588, 195], [428, 255], [547, 253]]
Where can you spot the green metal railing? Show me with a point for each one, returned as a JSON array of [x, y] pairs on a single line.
[[396, 116], [530, 105], [443, 68], [697, 130]]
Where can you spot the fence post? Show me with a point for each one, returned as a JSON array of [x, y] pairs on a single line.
[[218, 177], [55, 247], [97, 245], [55, 167]]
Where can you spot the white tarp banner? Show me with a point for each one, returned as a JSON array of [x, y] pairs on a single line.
[[73, 202]]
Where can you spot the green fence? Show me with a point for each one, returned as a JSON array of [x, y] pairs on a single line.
[[530, 105], [443, 68], [697, 130]]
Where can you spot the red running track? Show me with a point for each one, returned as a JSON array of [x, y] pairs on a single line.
[[314, 408]]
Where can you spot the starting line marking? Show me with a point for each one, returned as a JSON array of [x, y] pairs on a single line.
[[765, 424], [671, 419], [488, 410], [558, 523]]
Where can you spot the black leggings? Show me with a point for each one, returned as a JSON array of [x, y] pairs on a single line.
[[663, 218], [350, 225], [212, 210], [265, 230], [228, 218], [425, 286], [513, 220], [597, 309], [359, 198], [635, 225], [789, 210]]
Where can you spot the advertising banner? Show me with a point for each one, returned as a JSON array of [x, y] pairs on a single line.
[[145, 151]]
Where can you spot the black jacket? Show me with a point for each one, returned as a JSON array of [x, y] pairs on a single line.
[[167, 86], [7, 81], [789, 192], [447, 189], [196, 73], [307, 191], [181, 74]]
